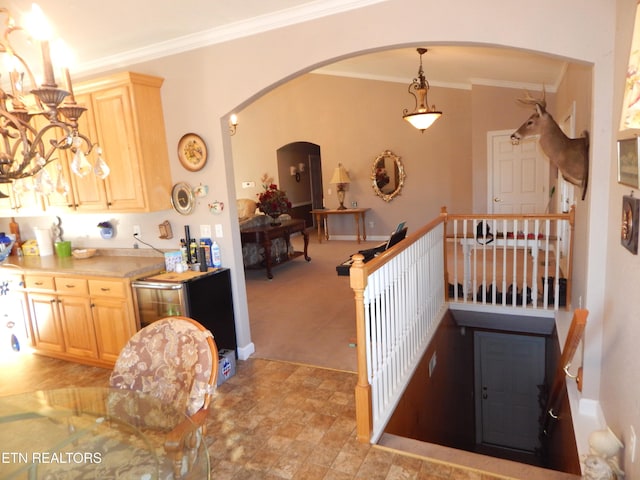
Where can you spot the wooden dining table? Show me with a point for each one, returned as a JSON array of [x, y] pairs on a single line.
[[90, 433]]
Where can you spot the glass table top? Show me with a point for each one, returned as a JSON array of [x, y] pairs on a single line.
[[91, 433]]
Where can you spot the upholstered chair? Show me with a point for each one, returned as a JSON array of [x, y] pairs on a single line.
[[175, 360]]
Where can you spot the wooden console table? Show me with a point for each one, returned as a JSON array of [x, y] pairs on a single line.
[[264, 235], [323, 214]]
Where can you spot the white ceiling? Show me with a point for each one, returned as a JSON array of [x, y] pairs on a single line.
[[121, 32]]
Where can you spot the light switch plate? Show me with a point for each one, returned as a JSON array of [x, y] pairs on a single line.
[[205, 231], [218, 230]]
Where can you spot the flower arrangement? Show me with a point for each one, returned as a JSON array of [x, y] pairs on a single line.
[[272, 201], [105, 225]]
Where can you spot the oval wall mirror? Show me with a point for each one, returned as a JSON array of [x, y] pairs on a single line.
[[387, 175]]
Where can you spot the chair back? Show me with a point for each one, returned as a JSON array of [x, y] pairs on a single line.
[[174, 359]]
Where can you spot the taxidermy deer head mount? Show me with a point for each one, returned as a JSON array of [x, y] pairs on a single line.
[[569, 155]]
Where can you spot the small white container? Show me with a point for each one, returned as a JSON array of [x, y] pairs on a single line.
[[43, 238]]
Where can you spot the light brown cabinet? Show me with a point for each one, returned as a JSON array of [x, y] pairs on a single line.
[[124, 117], [21, 200], [86, 319], [113, 319]]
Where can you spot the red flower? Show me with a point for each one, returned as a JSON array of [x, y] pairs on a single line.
[[273, 201]]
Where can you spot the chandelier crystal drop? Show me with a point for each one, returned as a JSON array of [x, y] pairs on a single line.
[[38, 121]]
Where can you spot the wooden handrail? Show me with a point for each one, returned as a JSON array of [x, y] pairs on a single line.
[[556, 395]]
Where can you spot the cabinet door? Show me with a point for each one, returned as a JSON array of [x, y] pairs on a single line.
[[88, 191], [77, 327], [113, 326], [117, 134], [57, 170], [20, 198], [45, 322]]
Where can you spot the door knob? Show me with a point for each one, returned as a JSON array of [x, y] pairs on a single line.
[[497, 200]]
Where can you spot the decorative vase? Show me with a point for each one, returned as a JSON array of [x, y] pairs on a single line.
[[274, 219]]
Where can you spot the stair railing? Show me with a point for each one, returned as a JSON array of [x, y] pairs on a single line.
[[400, 300]]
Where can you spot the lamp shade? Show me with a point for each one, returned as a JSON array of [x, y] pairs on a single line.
[[422, 121], [340, 175]]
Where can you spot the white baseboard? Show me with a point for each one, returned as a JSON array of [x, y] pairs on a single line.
[[246, 351]]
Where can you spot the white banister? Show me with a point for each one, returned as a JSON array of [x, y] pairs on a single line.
[[402, 294], [403, 302]]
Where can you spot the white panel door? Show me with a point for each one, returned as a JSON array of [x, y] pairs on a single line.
[[518, 175], [509, 370]]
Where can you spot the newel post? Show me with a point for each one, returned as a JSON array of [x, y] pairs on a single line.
[[364, 415], [445, 217]]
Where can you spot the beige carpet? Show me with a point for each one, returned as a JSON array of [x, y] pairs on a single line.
[[306, 313]]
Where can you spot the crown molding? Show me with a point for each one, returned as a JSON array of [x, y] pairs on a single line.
[[225, 33]]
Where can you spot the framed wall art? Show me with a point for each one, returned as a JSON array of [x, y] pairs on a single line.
[[628, 162], [192, 152], [629, 225], [631, 103]]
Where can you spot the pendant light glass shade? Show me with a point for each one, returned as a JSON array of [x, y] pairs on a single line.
[[423, 115]]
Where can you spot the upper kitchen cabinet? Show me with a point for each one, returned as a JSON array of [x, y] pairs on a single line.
[[125, 119], [19, 198]]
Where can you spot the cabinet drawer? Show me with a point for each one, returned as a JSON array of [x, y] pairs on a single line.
[[39, 282], [71, 285], [107, 288]]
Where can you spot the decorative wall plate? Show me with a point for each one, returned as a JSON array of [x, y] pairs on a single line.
[[192, 152], [182, 198], [630, 220]]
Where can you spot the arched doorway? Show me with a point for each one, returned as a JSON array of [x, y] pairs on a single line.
[[300, 174]]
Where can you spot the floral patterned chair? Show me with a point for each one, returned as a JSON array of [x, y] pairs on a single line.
[[174, 359]]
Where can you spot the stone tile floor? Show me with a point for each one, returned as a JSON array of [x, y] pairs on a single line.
[[278, 420], [273, 420]]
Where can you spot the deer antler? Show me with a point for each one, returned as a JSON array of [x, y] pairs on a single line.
[[529, 100]]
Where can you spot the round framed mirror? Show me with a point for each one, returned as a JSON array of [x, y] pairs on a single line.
[[387, 175]]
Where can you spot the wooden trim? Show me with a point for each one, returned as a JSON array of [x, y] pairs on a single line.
[[558, 390]]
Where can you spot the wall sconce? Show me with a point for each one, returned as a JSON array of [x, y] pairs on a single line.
[[233, 124], [295, 171]]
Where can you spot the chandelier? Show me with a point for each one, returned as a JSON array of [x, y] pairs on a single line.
[[423, 115], [38, 121]]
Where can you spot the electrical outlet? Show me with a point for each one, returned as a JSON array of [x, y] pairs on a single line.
[[205, 231], [136, 230], [218, 230]]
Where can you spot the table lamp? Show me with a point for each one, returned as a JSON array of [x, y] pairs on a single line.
[[341, 179]]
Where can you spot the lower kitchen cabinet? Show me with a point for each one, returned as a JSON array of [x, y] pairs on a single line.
[[113, 318], [81, 319], [45, 323]]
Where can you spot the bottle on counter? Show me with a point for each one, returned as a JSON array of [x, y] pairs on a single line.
[[193, 251], [215, 255], [206, 242], [14, 228], [183, 250]]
